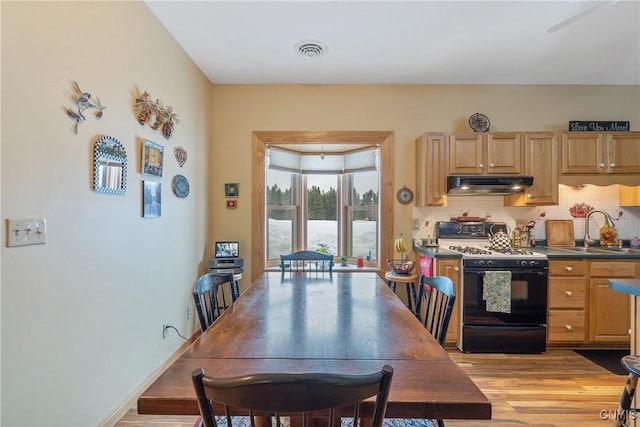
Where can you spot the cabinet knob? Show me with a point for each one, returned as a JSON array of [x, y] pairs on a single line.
[[601, 165], [456, 268], [568, 327], [569, 268], [569, 293], [492, 165], [612, 165], [481, 165]]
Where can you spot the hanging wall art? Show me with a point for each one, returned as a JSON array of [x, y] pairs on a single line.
[[181, 155], [83, 102], [157, 116], [152, 158]]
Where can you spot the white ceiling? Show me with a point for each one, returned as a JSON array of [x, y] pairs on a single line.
[[410, 42]]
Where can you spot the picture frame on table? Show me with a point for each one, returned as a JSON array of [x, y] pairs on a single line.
[[151, 199], [152, 158]]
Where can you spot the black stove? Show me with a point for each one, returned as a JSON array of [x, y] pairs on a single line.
[[505, 316], [472, 241]]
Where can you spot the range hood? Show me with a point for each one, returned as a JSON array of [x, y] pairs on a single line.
[[478, 185]]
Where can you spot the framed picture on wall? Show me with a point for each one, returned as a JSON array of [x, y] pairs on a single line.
[[152, 158], [231, 189], [151, 199]]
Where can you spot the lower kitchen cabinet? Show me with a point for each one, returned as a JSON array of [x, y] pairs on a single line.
[[609, 311], [582, 307], [566, 322], [452, 268]]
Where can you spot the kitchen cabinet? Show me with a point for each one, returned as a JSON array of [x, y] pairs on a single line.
[[629, 196], [540, 161], [566, 322], [609, 311], [452, 268], [497, 153], [595, 153], [431, 173]]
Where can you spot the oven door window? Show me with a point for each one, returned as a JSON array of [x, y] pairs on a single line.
[[528, 299]]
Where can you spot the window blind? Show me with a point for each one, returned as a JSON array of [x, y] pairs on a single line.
[[330, 163]]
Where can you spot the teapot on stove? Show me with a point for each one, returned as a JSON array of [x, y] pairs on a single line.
[[500, 239]]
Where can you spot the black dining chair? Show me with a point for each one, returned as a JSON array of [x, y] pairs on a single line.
[[210, 296], [631, 363], [277, 395], [434, 307], [306, 262]]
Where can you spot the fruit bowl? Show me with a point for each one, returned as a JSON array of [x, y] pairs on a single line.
[[400, 267]]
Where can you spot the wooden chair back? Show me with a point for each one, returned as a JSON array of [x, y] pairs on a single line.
[[301, 396], [306, 261], [210, 297], [434, 305]]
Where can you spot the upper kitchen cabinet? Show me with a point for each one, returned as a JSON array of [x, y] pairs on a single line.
[[431, 174], [594, 153], [541, 162], [629, 196], [497, 153]]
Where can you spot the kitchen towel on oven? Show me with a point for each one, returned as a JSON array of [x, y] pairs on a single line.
[[497, 291]]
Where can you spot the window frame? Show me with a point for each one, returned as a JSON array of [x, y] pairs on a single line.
[[259, 141], [345, 207]]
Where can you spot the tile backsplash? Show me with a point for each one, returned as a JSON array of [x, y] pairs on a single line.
[[626, 219]]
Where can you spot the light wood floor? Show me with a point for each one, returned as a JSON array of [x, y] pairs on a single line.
[[558, 388]]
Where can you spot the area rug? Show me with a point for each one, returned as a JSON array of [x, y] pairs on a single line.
[[608, 359], [388, 422]]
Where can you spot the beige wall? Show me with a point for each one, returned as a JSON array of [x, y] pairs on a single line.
[[82, 314], [408, 111], [91, 302]]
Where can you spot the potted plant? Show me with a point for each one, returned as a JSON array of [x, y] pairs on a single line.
[[344, 260], [323, 248]]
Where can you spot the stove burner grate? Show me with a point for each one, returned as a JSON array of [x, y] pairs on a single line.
[[470, 250], [514, 251]]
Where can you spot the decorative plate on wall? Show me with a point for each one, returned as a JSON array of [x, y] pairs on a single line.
[[405, 195], [180, 186], [479, 122]]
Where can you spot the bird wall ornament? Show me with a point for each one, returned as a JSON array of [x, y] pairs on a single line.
[[83, 102]]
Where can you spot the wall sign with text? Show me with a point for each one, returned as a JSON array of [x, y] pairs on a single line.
[[595, 126]]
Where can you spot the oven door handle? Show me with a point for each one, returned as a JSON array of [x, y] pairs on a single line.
[[480, 272]]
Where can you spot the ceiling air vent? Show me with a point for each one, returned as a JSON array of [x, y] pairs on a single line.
[[311, 49]]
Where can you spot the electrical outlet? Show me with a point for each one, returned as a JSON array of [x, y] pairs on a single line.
[[189, 311], [165, 330]]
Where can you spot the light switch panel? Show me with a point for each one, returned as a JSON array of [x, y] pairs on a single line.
[[30, 231]]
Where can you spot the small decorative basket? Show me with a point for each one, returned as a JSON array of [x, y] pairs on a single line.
[[401, 267]]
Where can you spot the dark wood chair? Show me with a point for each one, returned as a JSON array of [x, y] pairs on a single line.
[[210, 296], [434, 306], [295, 395], [631, 364], [306, 261]]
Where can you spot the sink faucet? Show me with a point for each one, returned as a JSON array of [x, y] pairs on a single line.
[[588, 240]]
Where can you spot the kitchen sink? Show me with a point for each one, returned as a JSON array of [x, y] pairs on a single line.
[[622, 250], [596, 250]]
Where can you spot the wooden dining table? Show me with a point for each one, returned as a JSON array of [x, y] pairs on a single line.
[[350, 323]]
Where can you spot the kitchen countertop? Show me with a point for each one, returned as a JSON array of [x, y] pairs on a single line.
[[629, 286], [550, 252]]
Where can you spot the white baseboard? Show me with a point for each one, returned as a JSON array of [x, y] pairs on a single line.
[[130, 401]]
